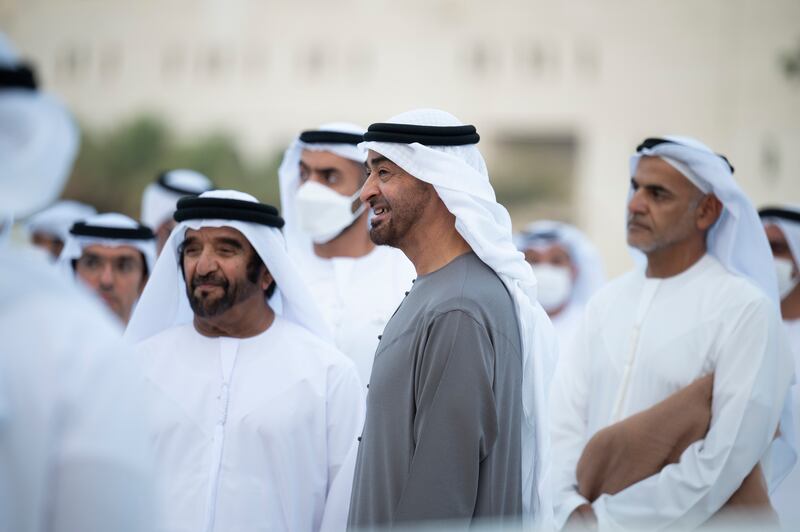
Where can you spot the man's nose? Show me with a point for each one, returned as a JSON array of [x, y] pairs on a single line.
[[637, 204], [369, 190], [107, 274], [206, 263]]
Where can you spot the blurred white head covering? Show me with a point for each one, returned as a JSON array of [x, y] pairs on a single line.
[[38, 140], [164, 303], [584, 255], [160, 197], [56, 220], [346, 146], [109, 230], [459, 176], [737, 239], [787, 218]]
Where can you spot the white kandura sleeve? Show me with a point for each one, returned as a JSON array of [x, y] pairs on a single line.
[[568, 423], [752, 374], [346, 408]]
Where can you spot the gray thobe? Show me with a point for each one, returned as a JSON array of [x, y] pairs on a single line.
[[442, 433]]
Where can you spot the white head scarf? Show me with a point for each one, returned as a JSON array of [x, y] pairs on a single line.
[[75, 244], [160, 197], [737, 239], [789, 228], [38, 144], [289, 177], [164, 303], [460, 178], [57, 219], [584, 255]]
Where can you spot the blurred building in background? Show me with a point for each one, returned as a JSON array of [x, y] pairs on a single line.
[[561, 91]]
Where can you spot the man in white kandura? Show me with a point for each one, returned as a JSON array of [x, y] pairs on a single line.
[[161, 196], [568, 271], [704, 302], [49, 228], [255, 410], [782, 226], [113, 256], [73, 445], [356, 284]]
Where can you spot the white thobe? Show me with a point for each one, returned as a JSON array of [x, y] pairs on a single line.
[[73, 440], [643, 339], [250, 434], [357, 296], [566, 324], [786, 499]]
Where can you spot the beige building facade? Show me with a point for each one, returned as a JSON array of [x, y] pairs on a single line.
[[561, 91]]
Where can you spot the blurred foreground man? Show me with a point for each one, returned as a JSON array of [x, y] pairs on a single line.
[[455, 426], [627, 399], [568, 270], [160, 197], [73, 453], [49, 229], [113, 255], [782, 225], [256, 412], [356, 284]]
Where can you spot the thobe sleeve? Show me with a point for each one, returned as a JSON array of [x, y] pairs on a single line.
[[568, 424], [345, 405], [753, 371], [455, 424]]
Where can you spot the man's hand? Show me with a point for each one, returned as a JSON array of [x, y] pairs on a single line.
[[582, 518]]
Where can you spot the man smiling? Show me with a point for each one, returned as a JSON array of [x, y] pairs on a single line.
[[255, 411]]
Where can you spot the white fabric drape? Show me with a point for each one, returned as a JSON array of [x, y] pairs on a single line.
[[460, 178]]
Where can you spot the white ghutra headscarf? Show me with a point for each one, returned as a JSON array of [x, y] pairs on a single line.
[[289, 177], [460, 178], [160, 197], [140, 238], [164, 303], [737, 240]]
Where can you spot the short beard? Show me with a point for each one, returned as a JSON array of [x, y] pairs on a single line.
[[232, 294], [404, 214]]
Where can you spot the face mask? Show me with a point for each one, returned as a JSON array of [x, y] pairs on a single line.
[[555, 285], [786, 283], [323, 213]]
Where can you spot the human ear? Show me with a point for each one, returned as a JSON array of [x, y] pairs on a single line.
[[708, 211]]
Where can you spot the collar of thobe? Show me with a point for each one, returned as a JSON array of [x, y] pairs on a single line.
[[591, 273], [737, 239], [57, 219], [338, 138], [39, 139], [109, 230], [160, 197], [164, 303], [456, 169], [787, 218]]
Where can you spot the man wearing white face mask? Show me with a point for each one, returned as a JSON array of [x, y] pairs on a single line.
[[782, 225], [356, 284], [568, 269]]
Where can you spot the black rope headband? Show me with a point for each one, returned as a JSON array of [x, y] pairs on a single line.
[[330, 137], [18, 77], [427, 135], [227, 209], [118, 233], [163, 183], [653, 142], [778, 212]]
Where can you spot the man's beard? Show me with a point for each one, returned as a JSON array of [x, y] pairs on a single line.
[[402, 216], [208, 306]]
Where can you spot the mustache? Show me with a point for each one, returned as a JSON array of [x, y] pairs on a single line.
[[211, 278]]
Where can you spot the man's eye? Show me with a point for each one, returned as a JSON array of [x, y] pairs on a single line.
[[125, 266], [91, 262]]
